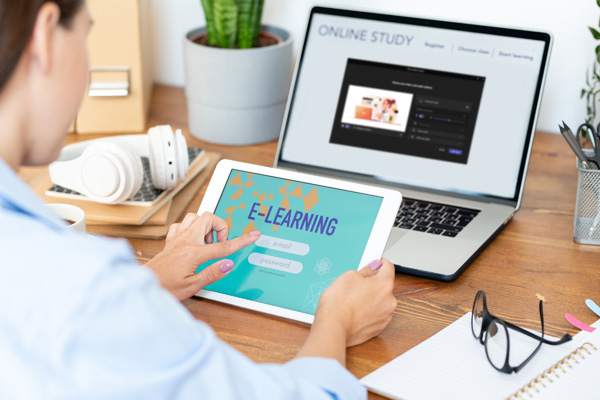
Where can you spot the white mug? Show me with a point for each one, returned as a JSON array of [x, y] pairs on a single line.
[[75, 216]]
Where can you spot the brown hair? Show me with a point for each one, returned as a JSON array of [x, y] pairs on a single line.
[[17, 18]]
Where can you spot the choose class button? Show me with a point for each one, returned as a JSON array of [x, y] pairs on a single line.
[[288, 246], [280, 264]]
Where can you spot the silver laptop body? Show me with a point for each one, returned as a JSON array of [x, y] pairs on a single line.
[[444, 112]]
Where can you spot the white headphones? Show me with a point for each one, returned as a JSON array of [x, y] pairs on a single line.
[[109, 170]]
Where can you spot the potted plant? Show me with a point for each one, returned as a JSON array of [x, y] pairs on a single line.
[[592, 81], [238, 74]]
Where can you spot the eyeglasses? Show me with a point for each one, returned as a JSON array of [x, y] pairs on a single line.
[[492, 332]]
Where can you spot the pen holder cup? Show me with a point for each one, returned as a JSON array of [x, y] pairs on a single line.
[[586, 223]]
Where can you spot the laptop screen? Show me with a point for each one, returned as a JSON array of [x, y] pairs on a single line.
[[425, 103]]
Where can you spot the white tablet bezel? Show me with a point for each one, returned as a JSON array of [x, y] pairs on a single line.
[[382, 226]]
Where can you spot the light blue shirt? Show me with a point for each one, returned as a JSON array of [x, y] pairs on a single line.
[[80, 319]]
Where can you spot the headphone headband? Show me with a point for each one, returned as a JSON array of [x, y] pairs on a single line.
[[109, 170], [139, 143]]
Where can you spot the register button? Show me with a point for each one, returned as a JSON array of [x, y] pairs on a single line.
[[288, 246], [280, 264]]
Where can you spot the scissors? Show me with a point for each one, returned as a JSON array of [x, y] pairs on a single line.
[[575, 145], [593, 135]]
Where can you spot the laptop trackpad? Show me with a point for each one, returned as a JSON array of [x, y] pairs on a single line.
[[395, 235], [431, 253]]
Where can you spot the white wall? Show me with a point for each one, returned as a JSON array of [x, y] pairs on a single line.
[[568, 20]]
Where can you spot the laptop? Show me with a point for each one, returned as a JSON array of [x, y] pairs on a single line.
[[444, 112]]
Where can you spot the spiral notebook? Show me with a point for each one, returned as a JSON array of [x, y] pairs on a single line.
[[570, 377], [452, 365]]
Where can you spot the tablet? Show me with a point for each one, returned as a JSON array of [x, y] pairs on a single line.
[[313, 229]]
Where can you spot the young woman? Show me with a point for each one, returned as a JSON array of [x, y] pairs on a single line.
[[79, 318], [387, 114]]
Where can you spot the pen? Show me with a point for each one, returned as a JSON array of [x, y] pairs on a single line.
[[570, 138]]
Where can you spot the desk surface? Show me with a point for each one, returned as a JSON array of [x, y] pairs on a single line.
[[534, 256]]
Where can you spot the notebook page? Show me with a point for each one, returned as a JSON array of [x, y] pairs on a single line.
[[577, 381], [452, 364]]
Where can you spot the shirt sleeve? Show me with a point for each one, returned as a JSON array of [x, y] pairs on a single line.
[[132, 340]]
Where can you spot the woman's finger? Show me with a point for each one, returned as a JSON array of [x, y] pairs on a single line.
[[203, 226], [209, 223], [226, 248], [188, 221], [172, 232], [371, 268], [213, 273]]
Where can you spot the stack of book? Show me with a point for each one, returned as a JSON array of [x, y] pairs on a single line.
[[146, 215]]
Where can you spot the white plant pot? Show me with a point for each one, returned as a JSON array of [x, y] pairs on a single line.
[[237, 96]]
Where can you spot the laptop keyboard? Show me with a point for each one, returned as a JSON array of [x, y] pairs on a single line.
[[434, 218]]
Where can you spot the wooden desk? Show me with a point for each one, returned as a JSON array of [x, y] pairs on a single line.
[[534, 256]]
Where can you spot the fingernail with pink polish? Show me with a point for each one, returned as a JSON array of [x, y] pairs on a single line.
[[375, 265], [226, 266], [255, 233]]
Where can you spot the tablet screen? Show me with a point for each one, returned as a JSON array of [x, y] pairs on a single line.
[[310, 235]]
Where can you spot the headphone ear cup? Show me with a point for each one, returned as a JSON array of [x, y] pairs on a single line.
[[183, 157], [158, 169], [168, 156], [111, 171], [134, 168]]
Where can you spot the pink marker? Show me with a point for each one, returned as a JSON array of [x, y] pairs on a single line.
[[578, 324]]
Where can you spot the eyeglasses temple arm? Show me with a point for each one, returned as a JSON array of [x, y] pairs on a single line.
[[564, 339]]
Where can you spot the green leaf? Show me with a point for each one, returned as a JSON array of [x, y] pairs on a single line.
[[211, 31], [257, 10], [245, 39], [582, 91], [598, 2], [226, 19], [595, 33], [250, 17]]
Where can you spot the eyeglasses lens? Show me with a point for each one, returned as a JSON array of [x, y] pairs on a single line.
[[477, 317], [496, 344]]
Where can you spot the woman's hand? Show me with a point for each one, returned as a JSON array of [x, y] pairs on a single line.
[[355, 308], [190, 244]]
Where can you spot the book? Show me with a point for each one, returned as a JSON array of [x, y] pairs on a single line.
[[452, 364]]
